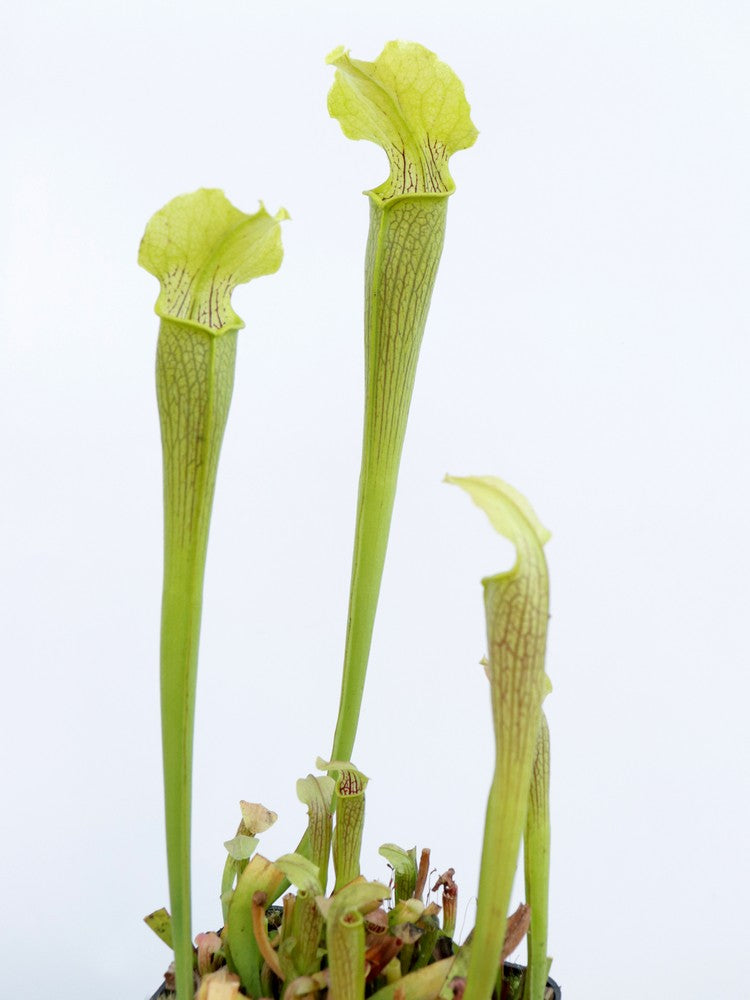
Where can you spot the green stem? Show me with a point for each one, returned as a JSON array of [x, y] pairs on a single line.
[[536, 867], [426, 944], [506, 813], [317, 794], [194, 376], [516, 606], [403, 251], [404, 864], [307, 924], [345, 936], [350, 821], [227, 885], [345, 942]]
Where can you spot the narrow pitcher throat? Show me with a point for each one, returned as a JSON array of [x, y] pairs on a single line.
[[404, 246], [409, 205]]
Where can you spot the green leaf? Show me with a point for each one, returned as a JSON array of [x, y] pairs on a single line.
[[510, 513], [305, 935], [345, 946], [404, 864], [424, 984], [516, 608], [317, 794], [301, 872], [430, 927], [244, 957], [406, 911], [359, 895], [345, 934], [201, 247], [161, 924], [413, 106], [337, 766], [350, 819], [241, 847], [536, 854]]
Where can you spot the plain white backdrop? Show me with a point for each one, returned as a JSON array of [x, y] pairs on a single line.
[[588, 342]]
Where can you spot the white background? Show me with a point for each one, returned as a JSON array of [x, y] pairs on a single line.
[[588, 342]]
